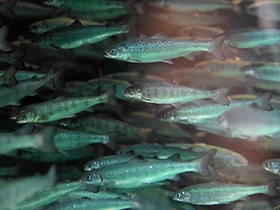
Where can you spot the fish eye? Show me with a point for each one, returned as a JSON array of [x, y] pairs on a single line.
[[113, 51], [88, 177], [23, 117]]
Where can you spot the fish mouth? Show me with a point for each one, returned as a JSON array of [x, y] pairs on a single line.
[[107, 55]]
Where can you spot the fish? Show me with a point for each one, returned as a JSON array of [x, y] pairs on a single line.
[[76, 35], [101, 124], [25, 88], [109, 203], [222, 157], [161, 49], [48, 24], [265, 9], [165, 93], [86, 5], [159, 151], [4, 45], [249, 122], [265, 71], [60, 108], [138, 172], [108, 160], [49, 194], [66, 139], [192, 5], [104, 83], [42, 141], [8, 77], [202, 111], [252, 38], [272, 165], [16, 191], [215, 193]]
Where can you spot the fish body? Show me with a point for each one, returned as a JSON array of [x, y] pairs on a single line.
[[48, 24], [164, 93], [24, 88], [265, 9], [223, 156], [107, 160], [162, 128], [162, 49], [250, 122], [48, 195], [16, 191], [100, 204], [61, 108], [251, 38], [101, 194], [191, 5], [160, 151], [77, 35], [41, 141], [221, 193], [105, 83], [204, 110], [268, 71], [138, 172], [101, 124], [272, 165], [86, 5], [65, 139]]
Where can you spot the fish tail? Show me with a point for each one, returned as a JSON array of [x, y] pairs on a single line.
[[50, 78], [130, 7], [216, 47], [111, 95], [8, 9], [9, 76], [272, 184], [4, 45], [112, 137], [47, 140], [202, 165], [19, 54], [51, 176], [212, 153], [262, 102], [221, 96]]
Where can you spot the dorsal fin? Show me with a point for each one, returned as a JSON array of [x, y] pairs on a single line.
[[76, 23]]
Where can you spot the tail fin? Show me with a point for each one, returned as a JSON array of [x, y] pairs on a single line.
[[111, 95], [47, 140], [216, 47], [8, 9], [9, 76], [272, 183], [112, 137], [50, 78], [4, 45], [202, 165], [51, 176], [221, 96], [262, 102]]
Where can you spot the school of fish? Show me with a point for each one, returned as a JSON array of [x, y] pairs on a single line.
[[140, 104]]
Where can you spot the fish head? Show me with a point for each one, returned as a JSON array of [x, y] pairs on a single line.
[[53, 2], [38, 39], [271, 166], [133, 92], [117, 52], [92, 165], [93, 178], [38, 27], [182, 196], [167, 115], [26, 116]]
